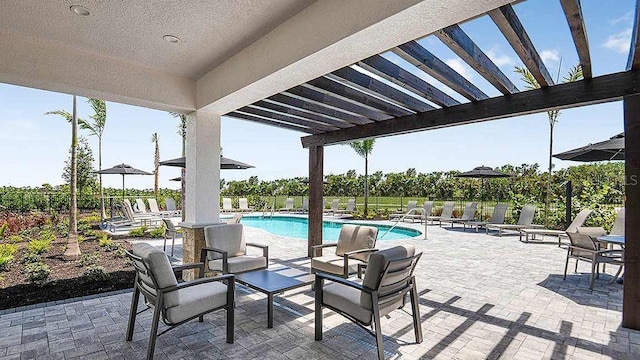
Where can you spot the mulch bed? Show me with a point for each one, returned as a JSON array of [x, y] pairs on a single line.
[[66, 279]]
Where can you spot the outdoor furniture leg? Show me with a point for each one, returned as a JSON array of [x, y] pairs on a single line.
[[154, 329], [378, 331], [269, 311], [133, 312], [417, 328], [231, 304], [566, 265], [318, 313], [615, 277]]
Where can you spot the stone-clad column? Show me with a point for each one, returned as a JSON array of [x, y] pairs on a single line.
[[202, 203]]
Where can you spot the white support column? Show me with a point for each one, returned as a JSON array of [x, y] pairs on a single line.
[[202, 204]]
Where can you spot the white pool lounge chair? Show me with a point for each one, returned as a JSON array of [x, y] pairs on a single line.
[[578, 221], [226, 205], [170, 204], [351, 207], [497, 218], [141, 207], [305, 206], [155, 210], [288, 206], [335, 205], [525, 221], [243, 204]]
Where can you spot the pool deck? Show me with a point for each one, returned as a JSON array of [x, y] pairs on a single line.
[[481, 297]]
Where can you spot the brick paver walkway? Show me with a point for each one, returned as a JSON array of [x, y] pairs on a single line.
[[480, 297]]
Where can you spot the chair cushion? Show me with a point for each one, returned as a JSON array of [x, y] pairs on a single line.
[[593, 232], [356, 237], [195, 300], [227, 237], [334, 264], [159, 266], [239, 264], [346, 299], [377, 262]]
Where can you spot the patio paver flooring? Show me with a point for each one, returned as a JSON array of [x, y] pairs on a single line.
[[480, 297]]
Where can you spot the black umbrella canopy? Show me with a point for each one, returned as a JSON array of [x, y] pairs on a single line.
[[176, 179], [225, 163], [483, 172], [612, 149], [123, 169]]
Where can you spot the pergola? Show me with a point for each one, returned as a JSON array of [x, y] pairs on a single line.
[[313, 67]]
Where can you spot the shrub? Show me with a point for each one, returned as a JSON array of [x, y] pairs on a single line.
[[38, 246], [89, 259], [120, 252], [3, 229], [157, 232], [84, 227], [95, 273], [63, 228], [138, 232], [90, 220], [6, 255], [37, 272], [29, 258], [108, 244], [14, 239], [46, 235]]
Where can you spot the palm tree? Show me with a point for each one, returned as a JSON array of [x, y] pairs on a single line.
[[574, 74], [96, 128], [182, 131], [156, 163], [364, 149], [72, 251]]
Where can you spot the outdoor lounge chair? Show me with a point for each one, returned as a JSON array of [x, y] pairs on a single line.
[[141, 207], [305, 206], [400, 213], [573, 227], [155, 210], [584, 248], [288, 206], [387, 280], [335, 205], [468, 215], [226, 250], [497, 218], [170, 230], [176, 302], [243, 204], [226, 205], [235, 219], [525, 220], [618, 224], [351, 207], [170, 204], [131, 219], [447, 213], [354, 245], [425, 211]]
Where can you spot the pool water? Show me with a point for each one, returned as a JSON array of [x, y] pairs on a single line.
[[297, 227]]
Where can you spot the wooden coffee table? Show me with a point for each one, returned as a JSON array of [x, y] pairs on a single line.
[[274, 281]]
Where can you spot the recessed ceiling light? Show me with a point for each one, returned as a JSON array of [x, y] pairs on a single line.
[[80, 10], [172, 39]]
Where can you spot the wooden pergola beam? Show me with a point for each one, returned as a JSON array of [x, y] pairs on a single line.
[[266, 113], [257, 119], [573, 12], [379, 88], [600, 89], [303, 114], [460, 43], [634, 53], [399, 76], [326, 98], [295, 102], [424, 60], [358, 96]]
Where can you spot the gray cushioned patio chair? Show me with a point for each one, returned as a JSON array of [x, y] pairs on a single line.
[[226, 250], [176, 303], [578, 221], [583, 247], [447, 213], [355, 244], [388, 278], [525, 221], [497, 218]]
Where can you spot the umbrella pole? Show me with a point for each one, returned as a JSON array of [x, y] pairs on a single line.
[[122, 187], [481, 198]]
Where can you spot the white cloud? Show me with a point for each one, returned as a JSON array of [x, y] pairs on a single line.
[[619, 42], [500, 59], [550, 55], [460, 67], [626, 18]]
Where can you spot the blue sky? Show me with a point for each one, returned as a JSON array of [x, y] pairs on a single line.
[[35, 146]]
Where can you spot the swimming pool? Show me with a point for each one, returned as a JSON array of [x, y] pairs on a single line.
[[297, 227]]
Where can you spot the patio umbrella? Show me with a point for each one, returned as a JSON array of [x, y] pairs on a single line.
[[176, 179], [482, 172], [612, 149], [123, 169], [225, 163]]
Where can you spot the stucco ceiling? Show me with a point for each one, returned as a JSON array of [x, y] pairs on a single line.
[[132, 31]]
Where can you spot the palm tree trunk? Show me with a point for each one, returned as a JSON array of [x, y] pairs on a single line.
[[73, 249], [366, 185], [103, 214], [548, 198]]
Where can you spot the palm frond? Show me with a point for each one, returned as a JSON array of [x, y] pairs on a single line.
[[363, 148], [527, 77], [574, 74], [65, 114]]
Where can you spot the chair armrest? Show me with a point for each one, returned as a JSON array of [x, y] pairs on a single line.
[[315, 248], [265, 249], [343, 281], [198, 265], [228, 277], [225, 256], [360, 251], [350, 254]]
